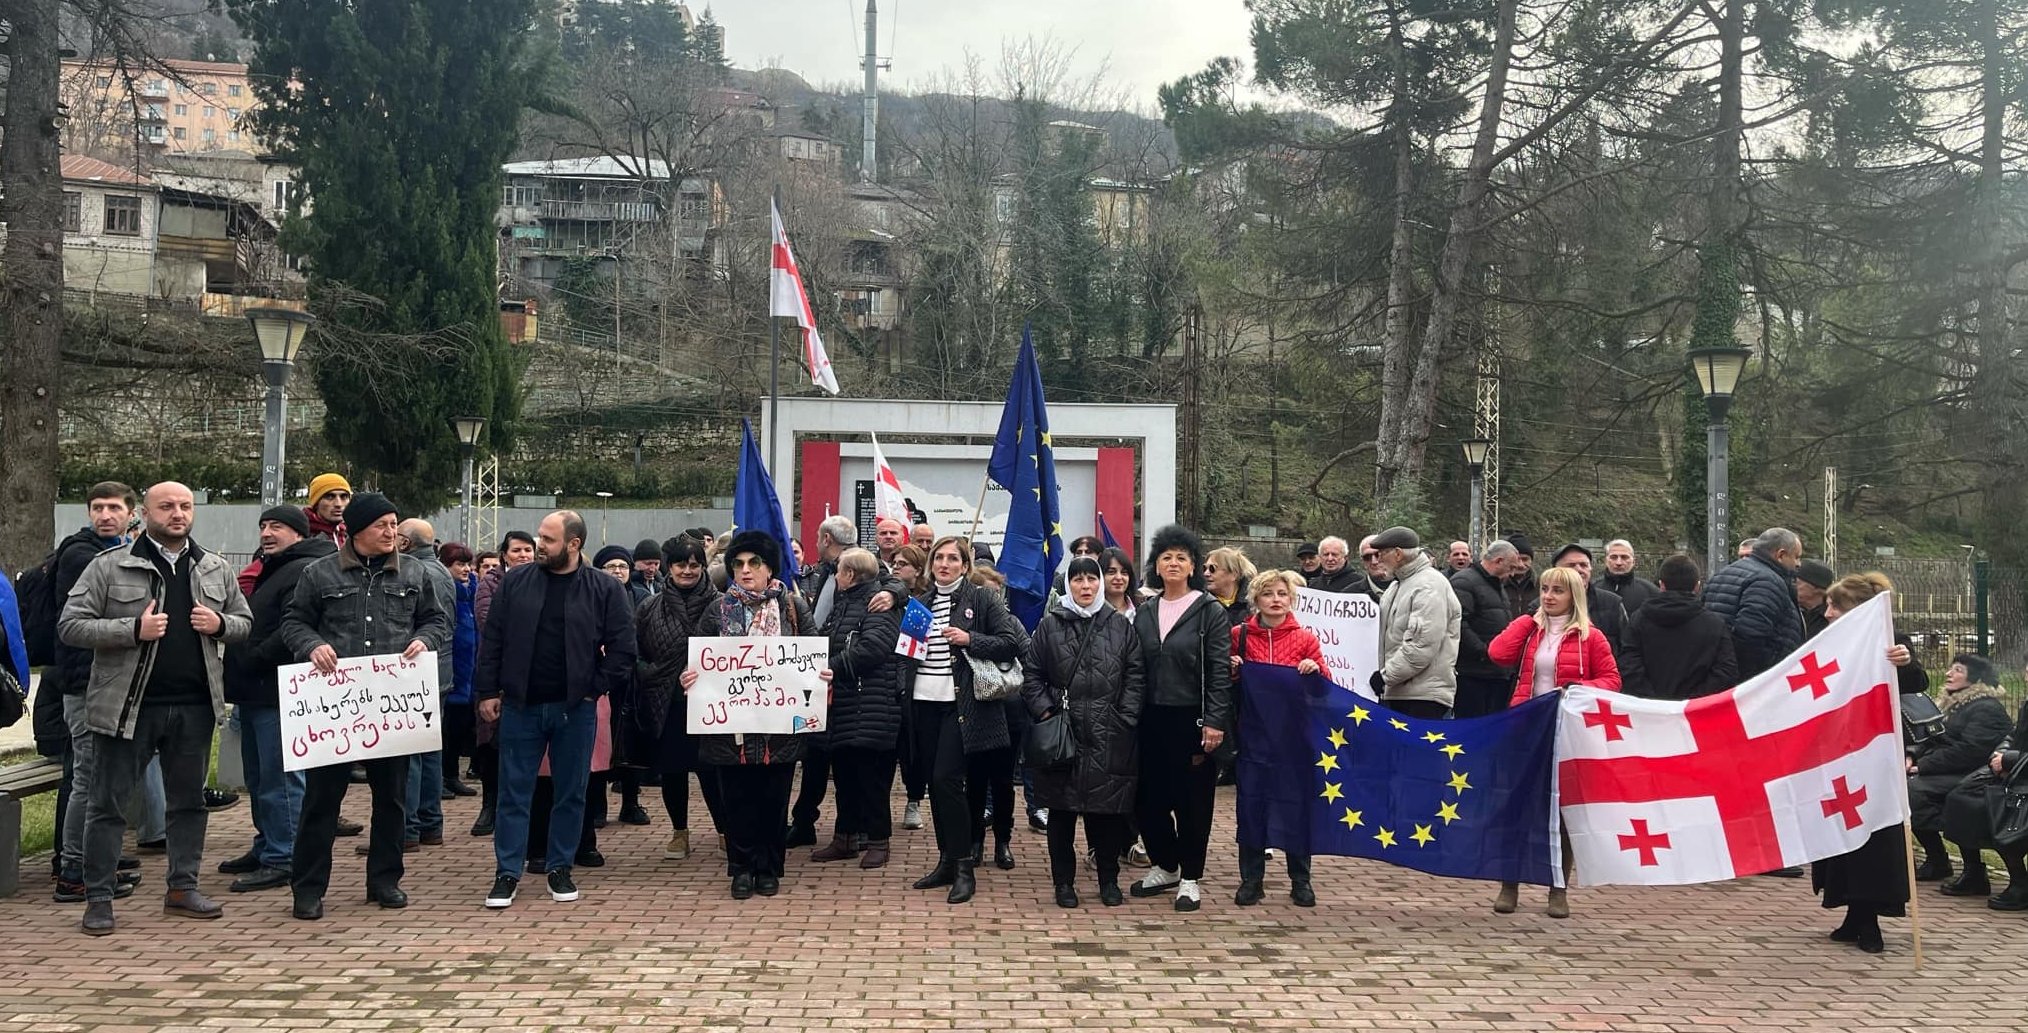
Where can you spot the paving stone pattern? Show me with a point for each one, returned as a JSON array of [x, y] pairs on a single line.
[[658, 944]]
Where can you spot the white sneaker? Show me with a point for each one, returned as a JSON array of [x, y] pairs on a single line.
[[1186, 895], [911, 815], [1157, 881]]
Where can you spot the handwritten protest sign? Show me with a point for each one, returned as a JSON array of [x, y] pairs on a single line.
[[1348, 627], [370, 707], [759, 686]]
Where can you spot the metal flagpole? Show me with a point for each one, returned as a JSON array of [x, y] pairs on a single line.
[[774, 333]]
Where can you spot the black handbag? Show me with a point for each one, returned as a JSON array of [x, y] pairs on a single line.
[[2010, 823], [1052, 743], [1921, 721]]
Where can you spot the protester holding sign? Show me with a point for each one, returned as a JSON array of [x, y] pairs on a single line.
[[755, 771], [560, 637], [364, 600]]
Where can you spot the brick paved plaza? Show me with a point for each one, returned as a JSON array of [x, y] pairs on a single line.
[[657, 944]]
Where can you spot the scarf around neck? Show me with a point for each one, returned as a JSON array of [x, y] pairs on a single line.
[[1950, 700], [751, 613], [1098, 603]]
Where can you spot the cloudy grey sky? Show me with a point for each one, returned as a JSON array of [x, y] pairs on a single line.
[[1141, 43]]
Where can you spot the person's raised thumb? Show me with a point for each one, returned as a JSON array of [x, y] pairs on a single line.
[[150, 611]]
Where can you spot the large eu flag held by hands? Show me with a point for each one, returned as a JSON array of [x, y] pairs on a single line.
[[1023, 464], [1324, 771]]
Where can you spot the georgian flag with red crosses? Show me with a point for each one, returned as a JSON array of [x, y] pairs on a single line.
[[1798, 764]]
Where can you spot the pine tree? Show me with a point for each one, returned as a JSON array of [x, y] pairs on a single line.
[[398, 115]]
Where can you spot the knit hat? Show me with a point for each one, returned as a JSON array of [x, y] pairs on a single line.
[[648, 549], [1817, 573], [364, 510], [612, 552], [1521, 544], [325, 483], [1397, 538], [761, 544], [291, 516]]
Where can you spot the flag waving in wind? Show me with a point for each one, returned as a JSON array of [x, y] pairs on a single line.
[[887, 498], [755, 507], [786, 297], [1023, 464]]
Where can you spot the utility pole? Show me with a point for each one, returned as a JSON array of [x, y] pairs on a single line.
[[1831, 517], [1486, 425], [869, 166], [1189, 487], [31, 301]]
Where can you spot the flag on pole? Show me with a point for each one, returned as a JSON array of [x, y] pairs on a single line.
[[1324, 771], [1798, 764], [1023, 464], [1106, 533], [786, 297], [755, 506], [887, 497]]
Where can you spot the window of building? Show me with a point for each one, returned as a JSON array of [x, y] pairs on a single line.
[[207, 88], [210, 135], [232, 113], [183, 109], [235, 91], [105, 82], [210, 111], [123, 215], [73, 212], [233, 136], [281, 195], [181, 132]]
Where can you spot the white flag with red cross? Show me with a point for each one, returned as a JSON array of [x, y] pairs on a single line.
[[888, 501], [1800, 763], [787, 297]]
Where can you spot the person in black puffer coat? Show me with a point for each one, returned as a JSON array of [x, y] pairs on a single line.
[[1673, 648], [1085, 658], [1969, 815], [1756, 597], [686, 607], [1975, 723], [1483, 686], [865, 711]]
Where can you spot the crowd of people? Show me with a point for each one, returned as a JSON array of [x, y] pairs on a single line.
[[565, 679]]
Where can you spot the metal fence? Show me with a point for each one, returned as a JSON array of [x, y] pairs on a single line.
[[1938, 603]]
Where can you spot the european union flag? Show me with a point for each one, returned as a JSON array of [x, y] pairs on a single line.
[[913, 639], [1106, 533], [1023, 464], [755, 506], [1325, 771]]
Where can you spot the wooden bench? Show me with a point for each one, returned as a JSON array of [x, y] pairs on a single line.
[[28, 778]]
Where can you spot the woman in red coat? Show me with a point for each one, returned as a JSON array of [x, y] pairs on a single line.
[[1554, 646], [1271, 635]]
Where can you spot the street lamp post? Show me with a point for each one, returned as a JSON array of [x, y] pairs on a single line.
[[1476, 450], [280, 332], [605, 500], [468, 428], [1718, 371]]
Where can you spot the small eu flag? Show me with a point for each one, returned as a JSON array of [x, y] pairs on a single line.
[[1324, 771], [915, 628]]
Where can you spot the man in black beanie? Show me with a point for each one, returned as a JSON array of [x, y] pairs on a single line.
[[647, 576], [366, 599], [1521, 587]]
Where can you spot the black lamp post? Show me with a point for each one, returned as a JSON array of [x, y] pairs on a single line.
[[1718, 371]]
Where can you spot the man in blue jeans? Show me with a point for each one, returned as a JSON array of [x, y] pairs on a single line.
[[425, 805], [276, 796], [560, 634]]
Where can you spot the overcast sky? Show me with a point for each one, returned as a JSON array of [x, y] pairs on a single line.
[[1141, 43]]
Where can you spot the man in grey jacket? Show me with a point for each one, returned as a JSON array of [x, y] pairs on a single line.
[[364, 600], [425, 802], [1419, 628], [157, 616]]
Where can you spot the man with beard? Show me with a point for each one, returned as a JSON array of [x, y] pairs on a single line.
[[157, 616]]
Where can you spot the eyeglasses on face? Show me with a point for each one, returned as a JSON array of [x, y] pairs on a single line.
[[748, 563], [1369, 555]]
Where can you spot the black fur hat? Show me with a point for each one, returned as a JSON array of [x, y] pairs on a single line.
[[1176, 537], [759, 543]]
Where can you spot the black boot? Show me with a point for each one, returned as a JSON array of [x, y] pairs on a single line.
[[484, 826], [945, 873], [963, 885]]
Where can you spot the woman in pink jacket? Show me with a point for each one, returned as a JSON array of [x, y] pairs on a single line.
[[1554, 646]]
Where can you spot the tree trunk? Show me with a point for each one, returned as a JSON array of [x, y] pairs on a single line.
[[1394, 361], [1995, 406], [1460, 240], [31, 302]]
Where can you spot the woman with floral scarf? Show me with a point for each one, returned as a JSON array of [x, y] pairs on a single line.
[[755, 772]]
